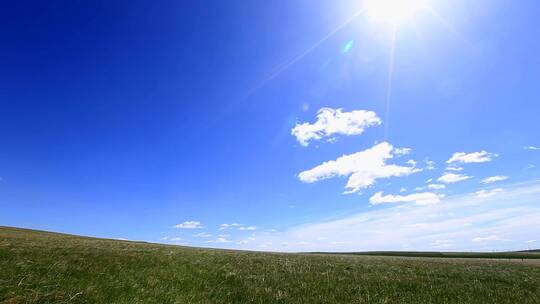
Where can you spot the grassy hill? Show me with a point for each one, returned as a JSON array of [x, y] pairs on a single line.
[[43, 267]]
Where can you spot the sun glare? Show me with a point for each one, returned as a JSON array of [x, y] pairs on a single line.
[[392, 11]]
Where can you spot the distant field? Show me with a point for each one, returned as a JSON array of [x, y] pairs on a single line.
[[42, 267], [532, 254]]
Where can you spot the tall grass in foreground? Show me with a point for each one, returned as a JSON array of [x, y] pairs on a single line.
[[40, 267]]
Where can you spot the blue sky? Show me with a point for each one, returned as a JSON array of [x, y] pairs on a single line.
[[289, 125]]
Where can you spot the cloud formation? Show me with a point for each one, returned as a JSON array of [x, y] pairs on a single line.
[[532, 148], [229, 226], [220, 240], [202, 235], [402, 151], [488, 193], [430, 165], [424, 198], [189, 225], [450, 178], [486, 239], [331, 122], [512, 216], [442, 244], [436, 186], [474, 157], [363, 168], [237, 226], [494, 179]]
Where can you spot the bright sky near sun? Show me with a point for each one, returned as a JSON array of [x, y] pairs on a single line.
[[287, 126]]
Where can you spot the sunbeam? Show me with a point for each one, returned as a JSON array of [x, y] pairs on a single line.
[[389, 83]]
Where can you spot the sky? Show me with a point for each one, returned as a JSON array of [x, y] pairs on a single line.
[[283, 125]]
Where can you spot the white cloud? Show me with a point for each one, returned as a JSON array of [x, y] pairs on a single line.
[[237, 226], [402, 151], [189, 225], [175, 239], [531, 148], [436, 186], [486, 239], [246, 241], [442, 243], [202, 235], [364, 168], [475, 157], [450, 168], [220, 240], [229, 226], [494, 179], [530, 241], [411, 162], [488, 193], [450, 178], [513, 214], [424, 198], [430, 165], [334, 121], [402, 189]]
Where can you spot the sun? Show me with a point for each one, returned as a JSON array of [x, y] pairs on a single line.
[[392, 11]]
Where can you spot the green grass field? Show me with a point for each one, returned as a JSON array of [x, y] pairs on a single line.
[[42, 267]]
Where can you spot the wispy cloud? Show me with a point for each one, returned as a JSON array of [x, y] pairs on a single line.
[[202, 235], [474, 157], [246, 240], [424, 198], [237, 226], [430, 165], [511, 215], [494, 179], [531, 148], [331, 122], [450, 178], [229, 226], [486, 239], [488, 193], [402, 151], [220, 240], [442, 243], [363, 168], [189, 225], [436, 186]]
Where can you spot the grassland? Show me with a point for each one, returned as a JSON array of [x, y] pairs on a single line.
[[42, 267], [519, 255]]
